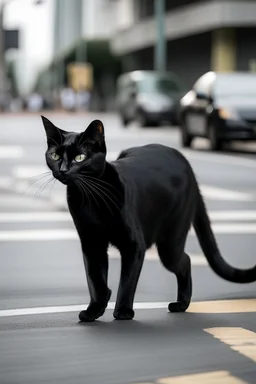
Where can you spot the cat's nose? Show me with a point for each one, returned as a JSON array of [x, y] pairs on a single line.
[[63, 168], [63, 171]]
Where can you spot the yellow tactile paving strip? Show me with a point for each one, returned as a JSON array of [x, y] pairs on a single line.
[[224, 306], [218, 377], [239, 339]]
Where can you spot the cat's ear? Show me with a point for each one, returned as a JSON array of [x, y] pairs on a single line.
[[94, 134], [54, 134], [95, 131]]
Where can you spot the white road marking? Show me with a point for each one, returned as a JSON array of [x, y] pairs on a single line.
[[39, 235], [221, 306], [30, 171], [25, 217], [241, 228], [238, 215], [5, 182], [151, 254], [11, 152], [71, 234], [215, 193], [219, 158], [28, 174], [19, 217]]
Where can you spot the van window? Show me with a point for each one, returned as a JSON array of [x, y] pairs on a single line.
[[159, 83]]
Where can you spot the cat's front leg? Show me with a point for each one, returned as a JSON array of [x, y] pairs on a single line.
[[132, 262], [96, 267]]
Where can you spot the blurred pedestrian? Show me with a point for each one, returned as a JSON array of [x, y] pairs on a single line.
[[35, 102], [68, 99]]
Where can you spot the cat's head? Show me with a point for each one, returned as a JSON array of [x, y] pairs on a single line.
[[70, 154]]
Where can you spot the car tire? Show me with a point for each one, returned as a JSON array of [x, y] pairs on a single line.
[[153, 123], [216, 143], [141, 120], [186, 138], [125, 121]]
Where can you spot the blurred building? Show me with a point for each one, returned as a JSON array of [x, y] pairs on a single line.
[[81, 33], [76, 19], [33, 20], [200, 35]]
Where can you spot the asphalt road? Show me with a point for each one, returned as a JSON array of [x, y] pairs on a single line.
[[43, 286]]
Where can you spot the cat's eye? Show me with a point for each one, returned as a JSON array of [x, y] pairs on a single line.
[[55, 156], [80, 158]]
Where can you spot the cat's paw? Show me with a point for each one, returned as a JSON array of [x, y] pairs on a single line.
[[91, 314], [124, 314], [87, 317], [179, 306], [94, 310]]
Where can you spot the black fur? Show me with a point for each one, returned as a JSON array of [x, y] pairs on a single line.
[[149, 195]]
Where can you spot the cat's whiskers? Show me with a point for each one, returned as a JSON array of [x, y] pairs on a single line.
[[42, 188], [95, 191], [40, 174], [80, 188], [88, 190], [104, 182], [102, 193], [99, 181], [52, 187], [39, 177], [106, 191]]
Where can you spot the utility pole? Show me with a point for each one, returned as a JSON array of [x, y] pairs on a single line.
[[160, 47], [2, 60], [80, 52]]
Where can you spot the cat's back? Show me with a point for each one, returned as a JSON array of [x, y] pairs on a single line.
[[151, 157]]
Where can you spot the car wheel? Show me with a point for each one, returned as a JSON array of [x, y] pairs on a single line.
[[153, 123], [215, 142], [125, 121], [141, 119], [186, 138]]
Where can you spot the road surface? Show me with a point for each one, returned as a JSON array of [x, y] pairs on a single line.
[[43, 286]]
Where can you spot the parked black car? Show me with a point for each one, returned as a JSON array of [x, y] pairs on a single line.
[[148, 97], [220, 107]]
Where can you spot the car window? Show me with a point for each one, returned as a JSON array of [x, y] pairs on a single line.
[[233, 85], [161, 84]]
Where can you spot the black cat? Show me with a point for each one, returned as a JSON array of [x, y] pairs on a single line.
[[149, 195]]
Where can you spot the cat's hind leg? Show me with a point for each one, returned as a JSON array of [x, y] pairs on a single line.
[[177, 262]]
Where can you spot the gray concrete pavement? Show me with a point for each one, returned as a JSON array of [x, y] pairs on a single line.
[[41, 273]]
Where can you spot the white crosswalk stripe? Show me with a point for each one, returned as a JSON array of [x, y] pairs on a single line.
[[24, 180], [224, 222], [228, 222]]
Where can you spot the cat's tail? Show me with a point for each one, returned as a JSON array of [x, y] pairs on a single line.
[[210, 248]]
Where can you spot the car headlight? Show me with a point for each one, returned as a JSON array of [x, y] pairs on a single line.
[[228, 114]]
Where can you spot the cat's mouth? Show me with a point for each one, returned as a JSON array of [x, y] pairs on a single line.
[[63, 179]]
